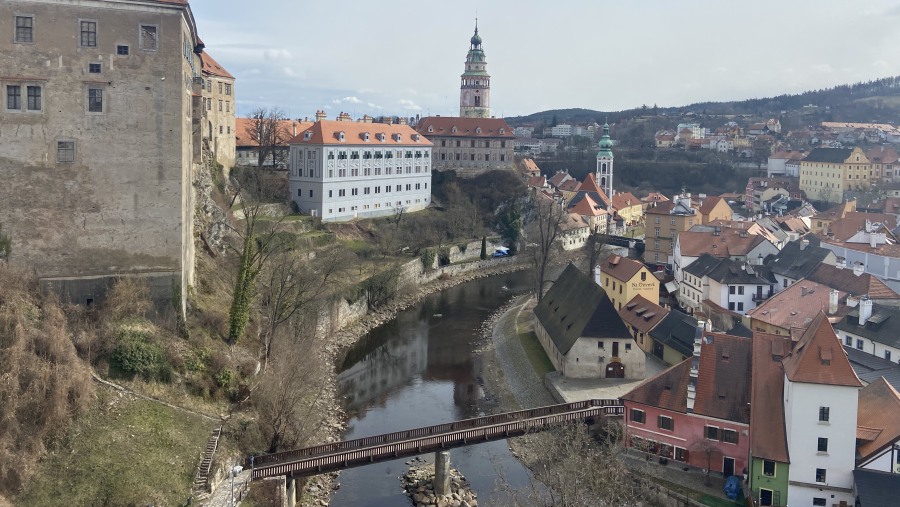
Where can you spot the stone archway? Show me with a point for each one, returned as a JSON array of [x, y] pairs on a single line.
[[615, 369]]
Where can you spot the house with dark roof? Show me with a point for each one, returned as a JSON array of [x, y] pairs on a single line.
[[797, 260], [672, 340], [875, 489], [733, 285], [582, 333], [697, 412], [641, 316], [873, 329], [826, 173]]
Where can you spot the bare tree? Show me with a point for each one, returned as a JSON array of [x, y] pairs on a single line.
[[541, 232], [268, 129], [574, 468], [708, 450], [290, 285]]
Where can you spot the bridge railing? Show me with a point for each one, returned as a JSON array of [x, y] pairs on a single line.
[[431, 430], [306, 465]]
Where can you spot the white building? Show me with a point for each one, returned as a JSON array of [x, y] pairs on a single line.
[[729, 284], [820, 411], [341, 170], [561, 130]]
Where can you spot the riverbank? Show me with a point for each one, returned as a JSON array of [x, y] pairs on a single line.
[[316, 491]]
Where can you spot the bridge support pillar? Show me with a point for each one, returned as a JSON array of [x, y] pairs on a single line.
[[290, 486], [442, 473]]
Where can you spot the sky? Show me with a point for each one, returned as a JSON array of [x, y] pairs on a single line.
[[404, 57]]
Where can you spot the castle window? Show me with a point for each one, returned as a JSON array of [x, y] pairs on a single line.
[[94, 68], [149, 37], [88, 33], [122, 50], [95, 100], [65, 152], [24, 29]]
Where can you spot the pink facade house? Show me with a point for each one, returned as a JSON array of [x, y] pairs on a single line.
[[697, 412]]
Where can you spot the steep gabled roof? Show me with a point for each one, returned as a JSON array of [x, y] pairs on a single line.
[[796, 306], [622, 200], [723, 381], [819, 357], [768, 439], [211, 66], [709, 203], [879, 409], [586, 206], [575, 306], [667, 390], [702, 266]]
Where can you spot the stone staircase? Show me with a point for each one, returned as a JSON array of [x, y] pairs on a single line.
[[201, 481]]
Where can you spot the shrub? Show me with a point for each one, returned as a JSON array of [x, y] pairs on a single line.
[[428, 259], [135, 354]]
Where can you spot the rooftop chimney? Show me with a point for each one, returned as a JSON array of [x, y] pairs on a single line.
[[833, 302], [841, 263], [597, 273], [695, 366], [320, 115], [865, 310], [858, 268], [804, 243]]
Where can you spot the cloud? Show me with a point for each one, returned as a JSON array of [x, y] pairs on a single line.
[[347, 100], [409, 105], [289, 71], [277, 54], [823, 67]]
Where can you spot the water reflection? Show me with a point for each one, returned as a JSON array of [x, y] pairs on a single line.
[[420, 369]]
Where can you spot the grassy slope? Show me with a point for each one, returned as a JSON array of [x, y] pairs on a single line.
[[99, 467]]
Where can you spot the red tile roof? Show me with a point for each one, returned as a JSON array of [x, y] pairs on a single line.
[[819, 357], [212, 67], [667, 390], [768, 439], [642, 314], [587, 206], [709, 203], [557, 179], [879, 413], [443, 126], [536, 181], [622, 200], [728, 243], [854, 221], [723, 381], [796, 306], [569, 185], [327, 132], [848, 281], [621, 268], [654, 197], [243, 128]]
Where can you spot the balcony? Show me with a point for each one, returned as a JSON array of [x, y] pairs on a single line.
[[757, 298]]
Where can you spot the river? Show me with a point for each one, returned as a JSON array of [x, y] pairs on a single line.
[[423, 368]]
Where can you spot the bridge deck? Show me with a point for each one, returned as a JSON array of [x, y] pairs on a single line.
[[351, 453]]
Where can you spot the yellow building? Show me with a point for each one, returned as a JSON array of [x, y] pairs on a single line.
[[665, 219], [628, 207], [826, 173], [624, 278]]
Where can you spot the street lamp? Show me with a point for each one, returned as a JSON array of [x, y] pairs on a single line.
[[235, 470]]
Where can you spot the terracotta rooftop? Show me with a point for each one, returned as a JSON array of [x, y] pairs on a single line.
[[819, 358], [557, 179], [587, 206], [879, 409], [243, 128], [443, 126], [622, 200], [768, 439], [709, 203], [846, 280], [836, 212], [844, 228], [654, 197], [796, 306], [327, 132], [530, 167], [212, 67], [667, 390], [536, 181], [569, 186], [728, 243], [572, 221], [621, 268], [642, 314], [882, 155], [723, 382]]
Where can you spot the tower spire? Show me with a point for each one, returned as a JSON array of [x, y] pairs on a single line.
[[475, 82]]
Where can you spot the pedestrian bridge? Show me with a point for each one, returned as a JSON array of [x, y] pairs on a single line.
[[363, 451]]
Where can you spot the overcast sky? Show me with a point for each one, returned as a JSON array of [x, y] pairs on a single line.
[[404, 57]]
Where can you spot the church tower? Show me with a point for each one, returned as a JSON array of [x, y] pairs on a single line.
[[604, 174], [475, 85]]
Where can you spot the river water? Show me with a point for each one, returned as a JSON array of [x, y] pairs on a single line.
[[420, 369]]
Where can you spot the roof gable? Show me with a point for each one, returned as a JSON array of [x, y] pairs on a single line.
[[642, 314], [453, 126], [666, 390], [768, 438], [819, 357], [879, 409], [723, 381]]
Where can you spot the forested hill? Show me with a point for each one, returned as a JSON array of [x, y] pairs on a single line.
[[872, 101]]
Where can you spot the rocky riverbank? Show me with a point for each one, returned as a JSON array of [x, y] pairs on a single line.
[[317, 491], [418, 483]]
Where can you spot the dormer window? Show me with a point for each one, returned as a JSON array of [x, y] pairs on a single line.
[[415, 137], [477, 130], [381, 136], [307, 135], [366, 136], [430, 129], [454, 129], [398, 137], [502, 130], [340, 136]]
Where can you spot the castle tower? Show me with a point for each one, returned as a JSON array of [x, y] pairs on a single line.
[[604, 173], [475, 83]]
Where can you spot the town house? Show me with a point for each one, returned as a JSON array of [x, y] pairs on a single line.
[[623, 279]]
